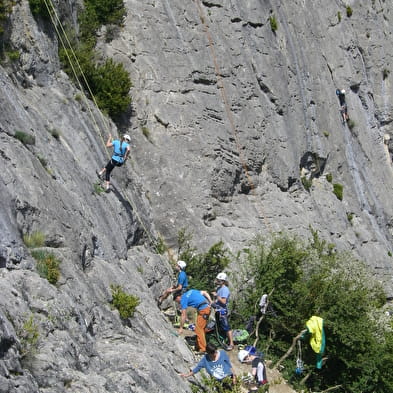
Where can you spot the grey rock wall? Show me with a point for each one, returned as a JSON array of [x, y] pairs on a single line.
[[227, 117]]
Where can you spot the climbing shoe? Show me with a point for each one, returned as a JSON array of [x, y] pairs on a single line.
[[99, 175]]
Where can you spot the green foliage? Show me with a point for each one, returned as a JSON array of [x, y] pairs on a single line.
[[273, 23], [29, 336], [39, 8], [329, 177], [326, 134], [109, 83], [13, 55], [202, 268], [339, 16], [385, 73], [307, 183], [161, 247], [338, 190], [123, 302], [351, 124], [310, 278], [34, 239], [98, 189], [211, 385], [48, 266], [390, 253], [349, 216], [349, 11], [26, 139], [107, 11]]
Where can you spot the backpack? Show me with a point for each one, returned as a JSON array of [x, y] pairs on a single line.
[[240, 335]]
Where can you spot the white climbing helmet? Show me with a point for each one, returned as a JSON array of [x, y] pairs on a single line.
[[181, 264], [242, 355], [127, 137], [222, 277], [342, 91]]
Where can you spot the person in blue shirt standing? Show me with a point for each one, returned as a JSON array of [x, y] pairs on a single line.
[[181, 285], [201, 301], [217, 364], [121, 150], [221, 306]]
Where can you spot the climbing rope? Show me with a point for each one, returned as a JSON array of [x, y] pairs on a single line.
[[228, 110], [75, 63]]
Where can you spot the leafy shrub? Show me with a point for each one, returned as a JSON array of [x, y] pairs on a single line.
[[13, 55], [34, 239], [338, 190], [39, 8], [48, 265], [161, 247], [107, 11], [339, 16], [310, 278], [351, 124], [123, 302], [350, 216], [210, 384], [98, 189], [273, 23], [329, 177], [26, 139], [202, 268], [109, 83], [349, 11], [29, 336]]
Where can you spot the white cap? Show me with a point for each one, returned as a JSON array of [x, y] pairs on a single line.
[[222, 277], [242, 355], [127, 137], [181, 264]]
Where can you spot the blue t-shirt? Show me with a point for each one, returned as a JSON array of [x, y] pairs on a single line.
[[219, 369], [119, 150], [225, 293], [182, 279], [193, 298]]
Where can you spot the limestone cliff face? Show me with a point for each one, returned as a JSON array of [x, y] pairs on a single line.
[[227, 118]]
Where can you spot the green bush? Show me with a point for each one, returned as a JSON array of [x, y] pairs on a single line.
[[339, 16], [34, 239], [123, 302], [111, 84], [107, 11], [338, 190], [349, 11], [202, 268], [273, 23], [48, 266], [26, 139], [311, 278], [329, 177], [351, 124], [29, 336]]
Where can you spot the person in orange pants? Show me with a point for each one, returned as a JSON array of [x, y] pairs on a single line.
[[201, 301]]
